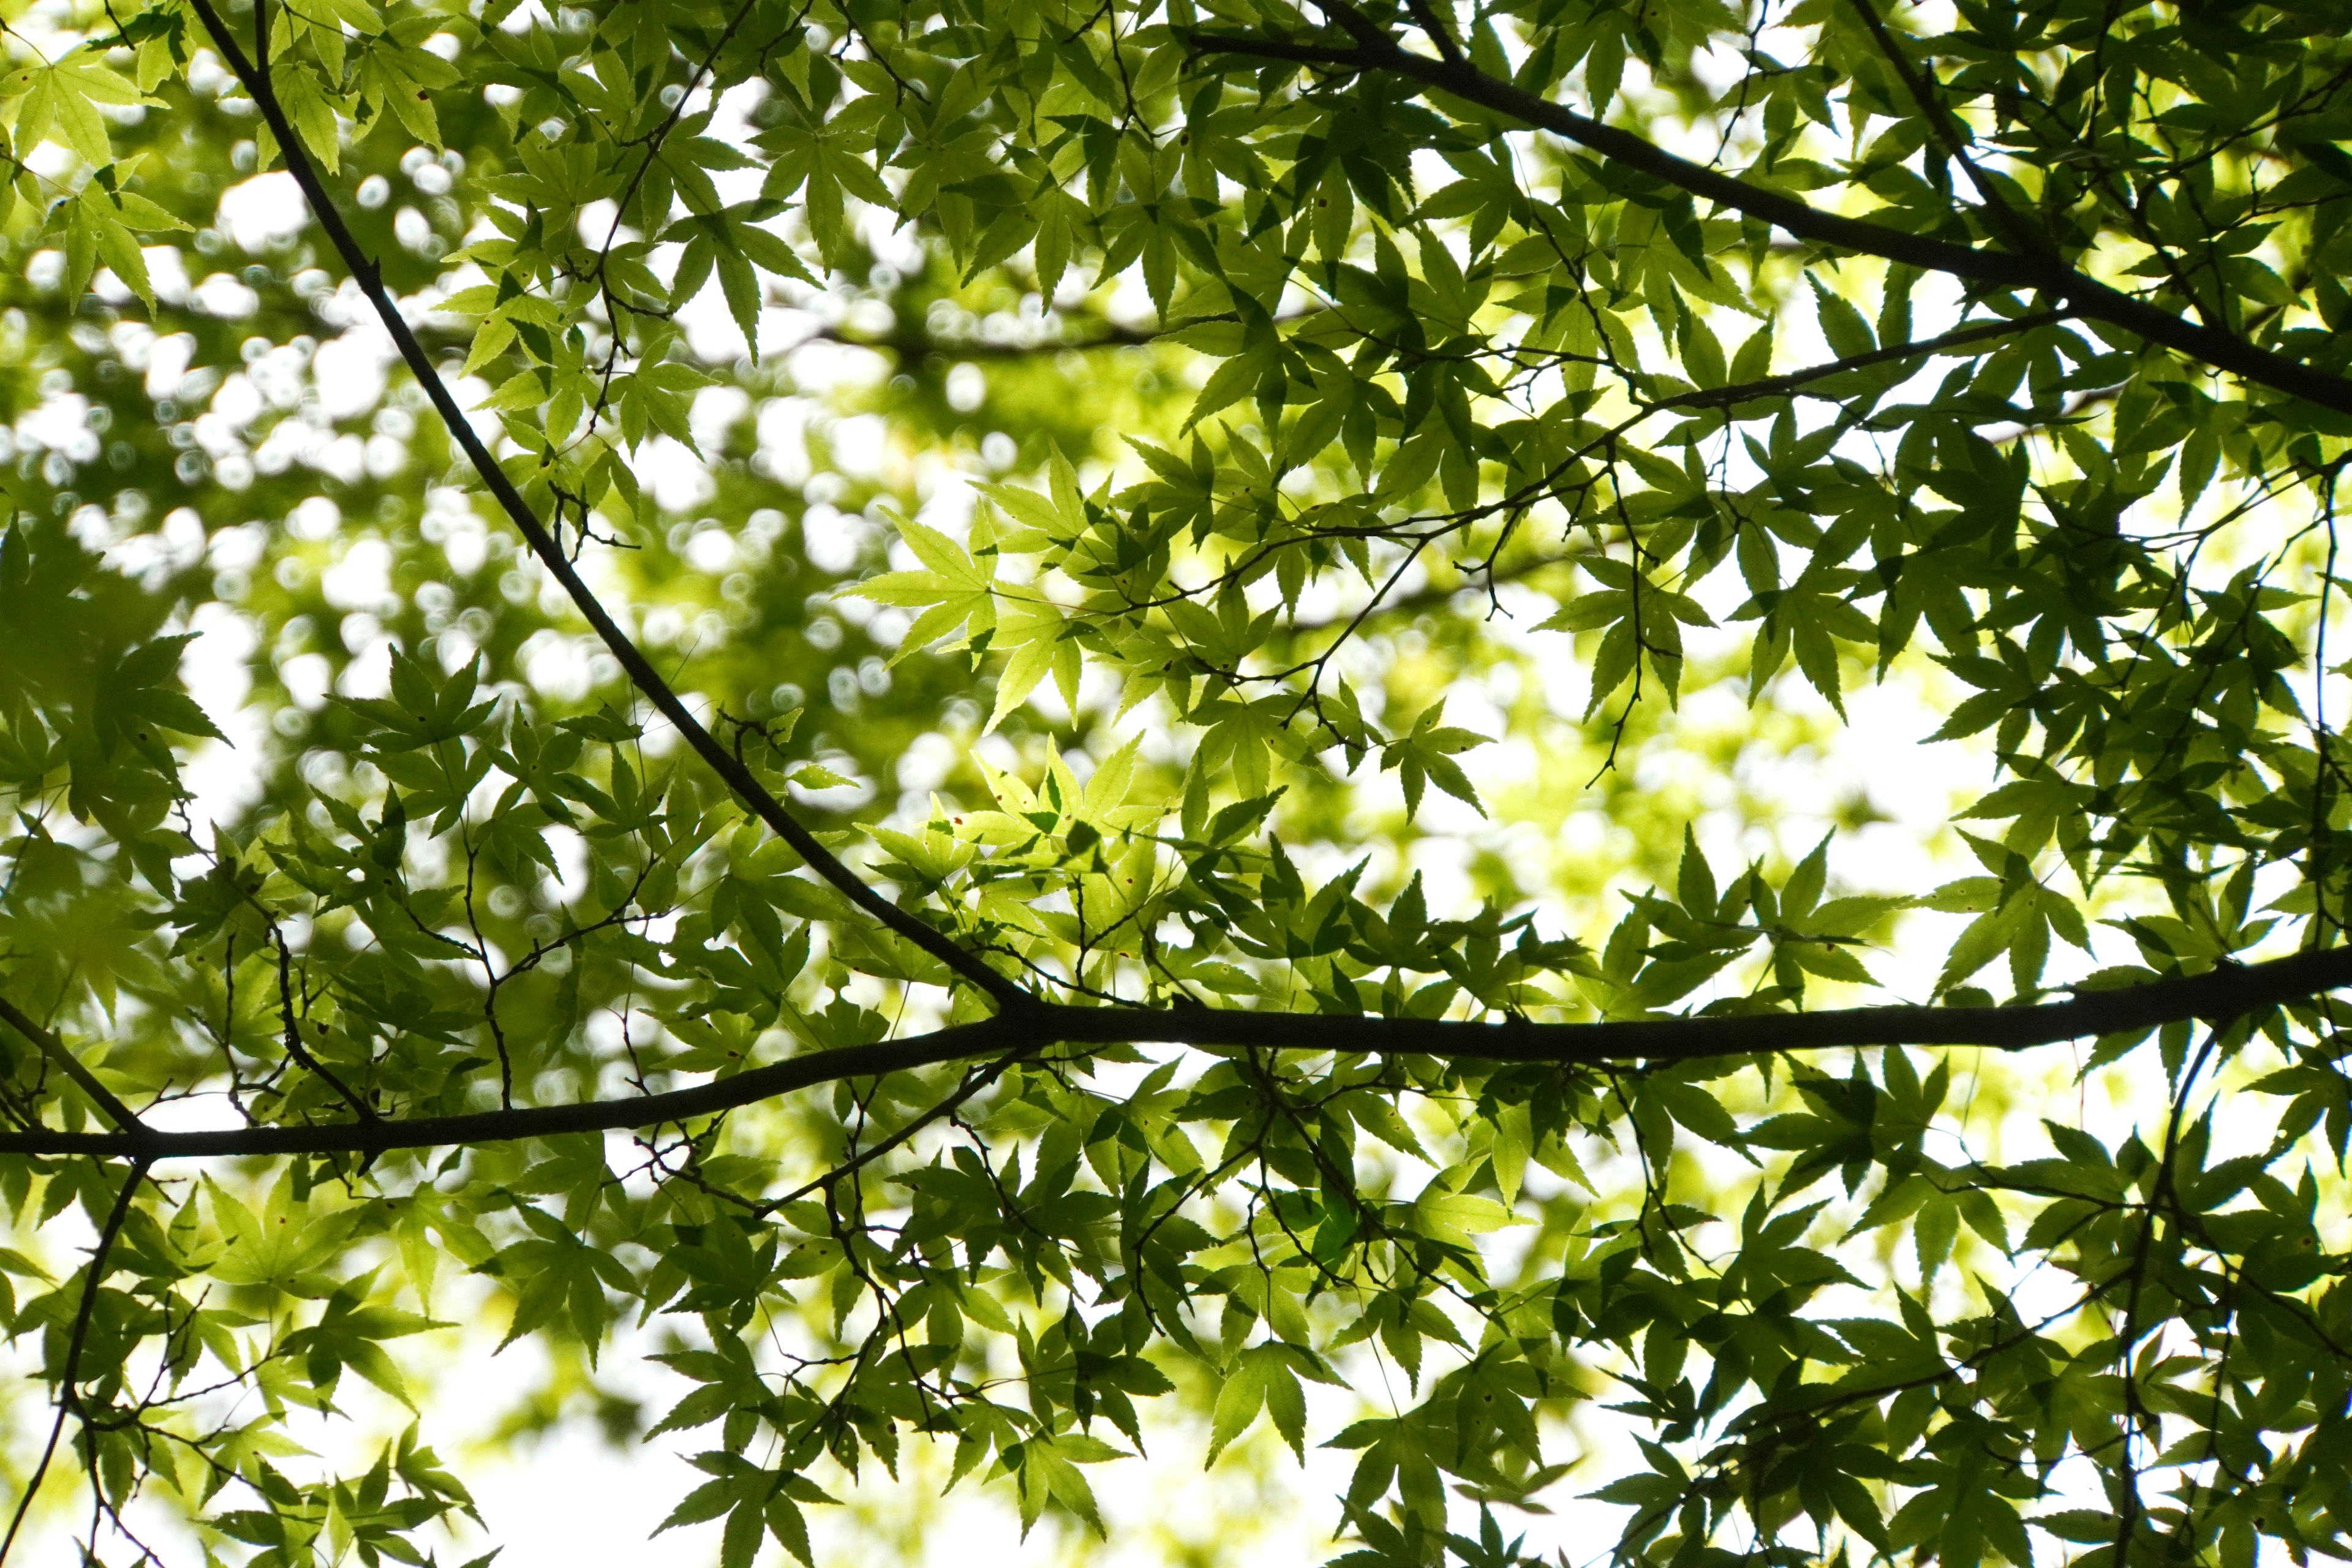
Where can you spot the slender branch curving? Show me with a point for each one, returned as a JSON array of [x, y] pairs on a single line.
[[737, 777], [1797, 380], [47, 1042], [2227, 992], [1374, 49], [1920, 82], [70, 1374]]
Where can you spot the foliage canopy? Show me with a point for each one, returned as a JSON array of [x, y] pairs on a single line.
[[1494, 382]]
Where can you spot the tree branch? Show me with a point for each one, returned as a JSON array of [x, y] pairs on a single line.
[[908, 343], [1375, 49], [54, 1049], [961, 1043], [70, 1374], [1795, 381], [291, 1031], [737, 777], [915, 345], [1948, 131], [2226, 992]]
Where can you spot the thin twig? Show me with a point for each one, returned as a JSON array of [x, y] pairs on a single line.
[[69, 1400]]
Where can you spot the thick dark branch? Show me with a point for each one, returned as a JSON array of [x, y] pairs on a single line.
[[1375, 49], [641, 671], [961, 1043], [2228, 992], [65, 1062]]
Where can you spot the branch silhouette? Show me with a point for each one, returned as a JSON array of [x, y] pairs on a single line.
[[69, 1373], [2228, 992], [47, 1042], [642, 674], [1372, 50]]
